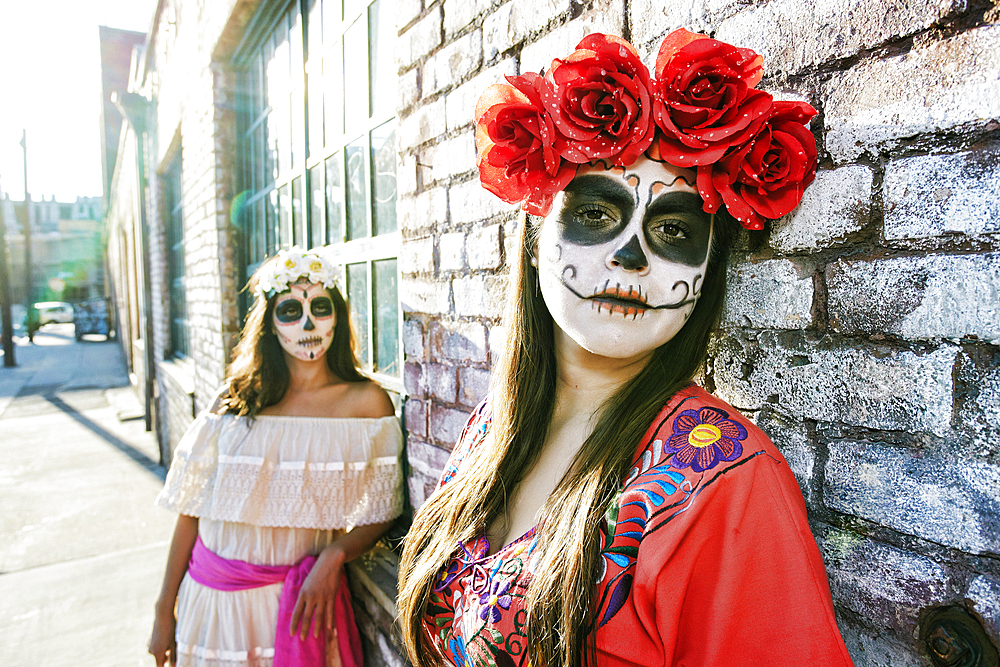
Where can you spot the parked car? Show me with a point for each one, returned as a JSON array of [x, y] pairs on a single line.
[[53, 311], [91, 317]]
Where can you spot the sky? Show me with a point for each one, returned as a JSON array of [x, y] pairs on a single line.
[[50, 85]]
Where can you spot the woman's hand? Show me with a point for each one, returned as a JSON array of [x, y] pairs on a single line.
[[316, 598], [163, 644]]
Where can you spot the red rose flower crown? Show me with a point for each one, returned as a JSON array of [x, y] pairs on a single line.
[[699, 110]]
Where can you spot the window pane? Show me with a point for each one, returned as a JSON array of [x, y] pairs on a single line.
[[278, 98], [284, 218], [271, 213], [318, 236], [314, 31], [333, 68], [355, 77], [381, 37], [332, 17], [357, 199], [260, 229], [314, 93], [295, 42], [255, 93], [298, 215], [298, 128], [384, 178], [386, 318], [335, 198], [357, 294], [352, 7]]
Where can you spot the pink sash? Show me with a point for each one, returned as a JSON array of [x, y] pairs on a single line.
[[214, 571]]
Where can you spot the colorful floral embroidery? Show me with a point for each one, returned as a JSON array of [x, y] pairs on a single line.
[[703, 438], [476, 610], [494, 599]]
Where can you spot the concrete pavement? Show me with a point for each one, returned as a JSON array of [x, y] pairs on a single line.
[[82, 548]]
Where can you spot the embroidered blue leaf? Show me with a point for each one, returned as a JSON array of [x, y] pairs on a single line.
[[645, 510], [674, 475], [666, 487], [617, 559], [618, 598], [636, 520], [628, 551], [633, 534], [654, 496]]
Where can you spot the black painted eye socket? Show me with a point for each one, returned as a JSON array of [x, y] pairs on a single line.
[[596, 216], [321, 307], [670, 229], [289, 310]]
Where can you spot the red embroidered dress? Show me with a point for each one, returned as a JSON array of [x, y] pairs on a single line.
[[707, 558]]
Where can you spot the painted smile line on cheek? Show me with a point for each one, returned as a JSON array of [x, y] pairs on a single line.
[[630, 300]]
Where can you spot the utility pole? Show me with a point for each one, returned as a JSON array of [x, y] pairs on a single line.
[[5, 310], [28, 301]]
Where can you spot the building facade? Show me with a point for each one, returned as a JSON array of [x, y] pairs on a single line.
[[66, 238], [862, 331]]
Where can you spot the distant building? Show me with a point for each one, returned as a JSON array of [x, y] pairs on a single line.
[[66, 249]]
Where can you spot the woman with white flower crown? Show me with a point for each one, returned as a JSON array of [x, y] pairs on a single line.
[[290, 473]]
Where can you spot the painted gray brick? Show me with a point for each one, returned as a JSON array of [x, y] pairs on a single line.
[[950, 503], [835, 381], [953, 84], [836, 204], [881, 583], [943, 296], [931, 195], [768, 294], [796, 34]]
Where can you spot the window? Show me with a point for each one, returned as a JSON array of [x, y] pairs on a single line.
[[173, 206], [318, 134]]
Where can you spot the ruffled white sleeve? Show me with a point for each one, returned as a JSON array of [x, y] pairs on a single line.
[[293, 472]]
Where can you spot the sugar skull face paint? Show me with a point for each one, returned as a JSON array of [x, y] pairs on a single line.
[[304, 320], [622, 256]]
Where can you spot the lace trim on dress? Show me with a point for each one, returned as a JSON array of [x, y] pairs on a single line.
[[289, 472], [205, 653]]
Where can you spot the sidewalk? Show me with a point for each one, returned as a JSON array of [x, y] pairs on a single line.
[[82, 548]]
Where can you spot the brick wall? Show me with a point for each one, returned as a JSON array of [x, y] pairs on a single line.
[[862, 331], [194, 118]]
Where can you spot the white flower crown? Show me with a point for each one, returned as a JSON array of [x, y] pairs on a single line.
[[289, 266]]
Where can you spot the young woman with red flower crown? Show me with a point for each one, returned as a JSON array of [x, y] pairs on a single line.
[[600, 508], [291, 473]]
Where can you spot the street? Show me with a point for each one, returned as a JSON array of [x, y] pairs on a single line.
[[82, 548]]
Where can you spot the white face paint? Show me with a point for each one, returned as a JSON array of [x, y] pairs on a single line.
[[304, 320], [622, 256]]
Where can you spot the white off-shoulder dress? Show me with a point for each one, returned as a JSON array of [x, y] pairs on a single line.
[[270, 492]]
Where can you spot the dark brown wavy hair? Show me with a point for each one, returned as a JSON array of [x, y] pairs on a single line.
[[560, 601], [258, 375]]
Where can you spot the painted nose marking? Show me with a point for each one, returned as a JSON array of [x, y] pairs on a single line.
[[308, 326], [630, 256]]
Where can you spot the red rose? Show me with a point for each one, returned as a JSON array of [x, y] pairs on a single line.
[[704, 101], [600, 102], [514, 143], [765, 177]]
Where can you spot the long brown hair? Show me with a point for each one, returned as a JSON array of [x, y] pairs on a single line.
[[560, 605], [258, 374]]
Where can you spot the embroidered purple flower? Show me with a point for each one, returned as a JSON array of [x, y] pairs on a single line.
[[495, 598], [702, 438], [448, 574]]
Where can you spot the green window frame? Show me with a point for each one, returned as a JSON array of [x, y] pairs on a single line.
[[317, 137]]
